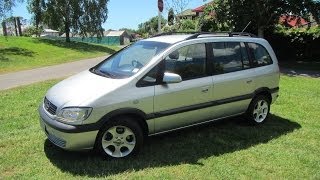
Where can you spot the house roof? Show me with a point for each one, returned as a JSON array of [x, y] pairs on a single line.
[[201, 8], [292, 20], [50, 31], [187, 12], [115, 33]]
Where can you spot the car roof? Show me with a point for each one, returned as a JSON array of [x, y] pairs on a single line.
[[171, 39]]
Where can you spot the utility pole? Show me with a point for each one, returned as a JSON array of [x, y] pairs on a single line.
[[160, 9], [159, 22]]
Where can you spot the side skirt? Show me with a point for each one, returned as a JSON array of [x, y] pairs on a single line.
[[196, 124]]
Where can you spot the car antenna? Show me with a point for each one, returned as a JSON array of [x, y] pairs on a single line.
[[246, 27]]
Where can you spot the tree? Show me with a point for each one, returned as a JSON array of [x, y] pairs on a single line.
[[263, 14], [36, 7], [32, 30], [5, 7], [81, 17], [208, 21], [170, 17], [12, 25], [177, 5], [187, 25], [151, 25]]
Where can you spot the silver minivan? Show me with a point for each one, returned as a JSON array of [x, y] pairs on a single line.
[[161, 84]]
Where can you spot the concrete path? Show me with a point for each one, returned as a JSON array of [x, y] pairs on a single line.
[[11, 80], [306, 73]]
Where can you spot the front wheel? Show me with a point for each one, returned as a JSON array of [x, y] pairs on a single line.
[[120, 138], [258, 110]]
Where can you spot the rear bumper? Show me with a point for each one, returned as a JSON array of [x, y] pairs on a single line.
[[66, 136]]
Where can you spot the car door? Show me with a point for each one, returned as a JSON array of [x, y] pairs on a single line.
[[233, 82], [182, 104]]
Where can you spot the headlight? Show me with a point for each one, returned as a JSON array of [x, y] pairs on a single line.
[[74, 115]]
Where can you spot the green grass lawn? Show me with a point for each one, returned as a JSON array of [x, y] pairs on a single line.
[[287, 146], [19, 53]]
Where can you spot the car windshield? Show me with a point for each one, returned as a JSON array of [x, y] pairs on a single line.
[[130, 60]]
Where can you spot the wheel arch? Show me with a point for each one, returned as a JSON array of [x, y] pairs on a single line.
[[138, 115], [265, 91]]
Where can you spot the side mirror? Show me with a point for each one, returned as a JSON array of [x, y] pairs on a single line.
[[171, 78]]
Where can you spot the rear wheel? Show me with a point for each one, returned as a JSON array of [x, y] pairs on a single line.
[[258, 110], [120, 138]]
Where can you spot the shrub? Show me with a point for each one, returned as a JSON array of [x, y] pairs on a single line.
[[302, 44]]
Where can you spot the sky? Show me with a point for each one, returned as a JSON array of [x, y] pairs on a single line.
[[121, 13]]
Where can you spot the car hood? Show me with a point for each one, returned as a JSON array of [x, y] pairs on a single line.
[[80, 89]]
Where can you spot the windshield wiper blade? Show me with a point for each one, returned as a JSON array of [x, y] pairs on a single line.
[[102, 73]]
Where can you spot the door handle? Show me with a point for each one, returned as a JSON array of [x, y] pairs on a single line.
[[249, 81], [205, 89]]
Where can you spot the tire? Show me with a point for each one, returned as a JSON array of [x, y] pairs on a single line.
[[121, 137], [258, 111]]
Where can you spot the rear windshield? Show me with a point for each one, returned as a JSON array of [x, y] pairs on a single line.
[[130, 60]]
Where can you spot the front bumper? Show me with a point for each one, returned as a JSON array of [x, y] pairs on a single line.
[[67, 136]]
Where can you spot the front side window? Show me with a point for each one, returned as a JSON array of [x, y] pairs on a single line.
[[130, 60], [260, 56], [227, 57], [189, 62]]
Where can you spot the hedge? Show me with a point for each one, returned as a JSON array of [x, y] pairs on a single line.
[[296, 44]]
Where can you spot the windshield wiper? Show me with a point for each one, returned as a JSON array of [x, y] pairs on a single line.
[[102, 73]]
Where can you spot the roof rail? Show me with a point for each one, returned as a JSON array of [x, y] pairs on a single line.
[[220, 34], [173, 33], [195, 35]]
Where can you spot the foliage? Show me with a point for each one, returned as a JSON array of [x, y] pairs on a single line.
[[6, 6], [176, 5], [208, 21], [168, 28], [170, 17], [291, 44], [130, 31], [285, 147], [188, 25], [150, 27], [298, 34], [262, 14], [184, 25], [36, 7], [81, 17], [32, 31]]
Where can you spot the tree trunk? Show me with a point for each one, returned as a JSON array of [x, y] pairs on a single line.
[[15, 25], [19, 26], [261, 32], [67, 31], [67, 22], [4, 28]]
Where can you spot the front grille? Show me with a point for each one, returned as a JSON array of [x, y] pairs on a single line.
[[57, 141], [51, 108]]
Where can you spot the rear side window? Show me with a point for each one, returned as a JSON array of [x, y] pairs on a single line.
[[228, 57], [259, 54]]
